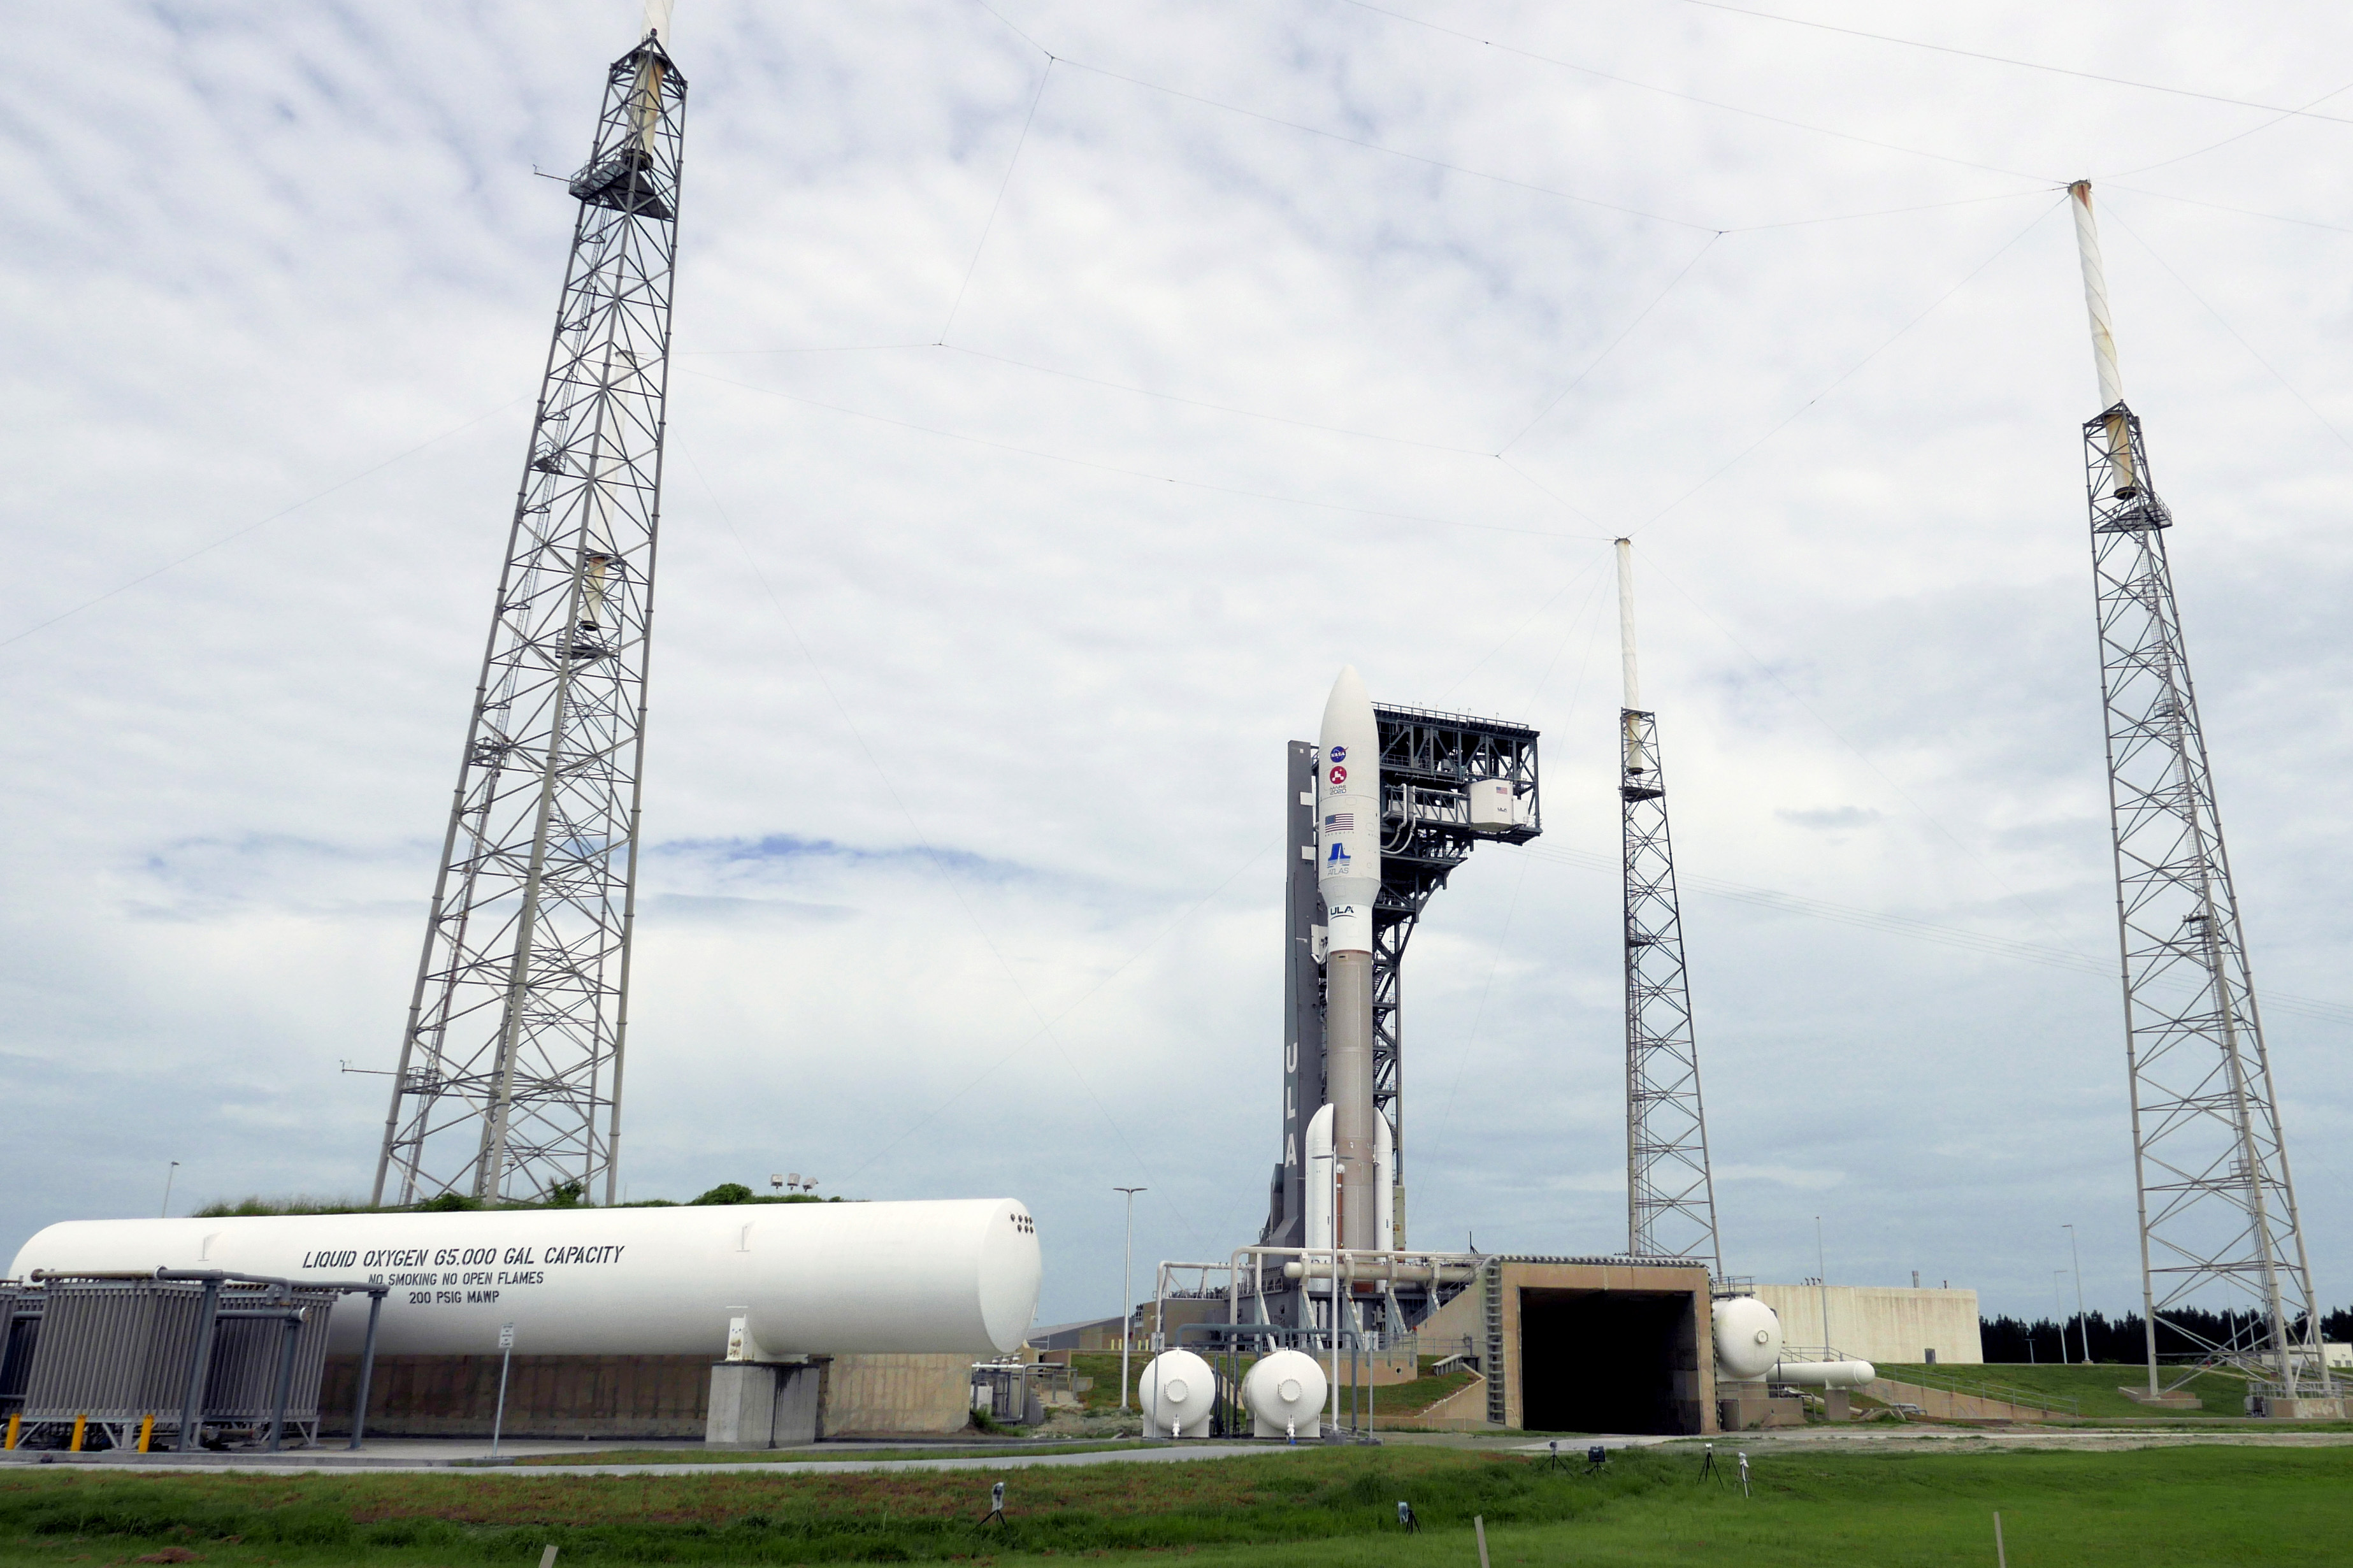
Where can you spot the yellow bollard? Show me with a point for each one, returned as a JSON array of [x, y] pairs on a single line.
[[13, 1422], [146, 1432], [75, 1446]]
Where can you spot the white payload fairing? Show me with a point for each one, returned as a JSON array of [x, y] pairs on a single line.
[[1348, 875]]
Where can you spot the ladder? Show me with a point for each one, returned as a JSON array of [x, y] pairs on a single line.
[[1490, 1274]]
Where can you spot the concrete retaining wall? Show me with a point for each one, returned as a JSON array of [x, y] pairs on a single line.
[[609, 1398], [1881, 1322]]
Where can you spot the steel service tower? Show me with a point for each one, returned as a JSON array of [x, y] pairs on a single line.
[[2219, 1229], [508, 1083], [1381, 809]]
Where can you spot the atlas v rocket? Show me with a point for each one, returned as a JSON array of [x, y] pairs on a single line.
[[1348, 859]]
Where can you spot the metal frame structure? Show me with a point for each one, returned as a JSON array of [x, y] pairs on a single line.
[[508, 1083], [1429, 760], [2217, 1205], [1670, 1193]]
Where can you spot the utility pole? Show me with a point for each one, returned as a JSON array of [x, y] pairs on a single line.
[[1127, 1291], [1670, 1194], [1823, 1284], [2083, 1319], [509, 1080], [168, 1174], [2219, 1229], [2058, 1305]]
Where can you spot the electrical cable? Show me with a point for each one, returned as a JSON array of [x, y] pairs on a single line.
[[241, 533], [1139, 473], [1002, 185], [2242, 212], [1612, 347], [1391, 152], [1905, 796], [2109, 210], [890, 788], [1218, 408], [1850, 373], [2005, 60], [1470, 1037], [2280, 119], [1960, 937], [1689, 98]]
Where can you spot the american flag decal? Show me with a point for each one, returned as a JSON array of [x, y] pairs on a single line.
[[1340, 821]]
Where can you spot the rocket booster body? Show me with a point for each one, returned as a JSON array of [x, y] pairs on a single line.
[[1348, 875], [1348, 813]]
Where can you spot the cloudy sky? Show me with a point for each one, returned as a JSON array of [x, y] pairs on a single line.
[[1063, 393]]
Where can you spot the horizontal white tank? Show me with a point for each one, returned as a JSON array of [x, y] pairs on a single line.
[[1747, 1338], [1825, 1374], [1177, 1391], [1283, 1392], [807, 1279]]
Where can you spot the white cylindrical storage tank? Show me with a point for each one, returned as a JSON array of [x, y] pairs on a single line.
[[1747, 1338], [831, 1278], [1177, 1391], [1825, 1374], [1284, 1394]]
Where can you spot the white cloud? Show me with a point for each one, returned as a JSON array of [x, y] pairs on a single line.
[[260, 253]]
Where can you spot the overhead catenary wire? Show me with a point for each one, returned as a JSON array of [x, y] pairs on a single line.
[[1045, 1029], [1849, 373], [1861, 756], [2252, 353], [1142, 474], [1686, 97], [2007, 60], [2280, 119], [1002, 186], [1612, 346], [236, 534], [1961, 937]]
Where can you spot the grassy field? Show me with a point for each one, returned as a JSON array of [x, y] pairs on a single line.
[[2152, 1509], [684, 1455], [2094, 1388]]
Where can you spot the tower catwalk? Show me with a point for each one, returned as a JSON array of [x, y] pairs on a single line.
[[2217, 1217], [508, 1083], [1670, 1195]]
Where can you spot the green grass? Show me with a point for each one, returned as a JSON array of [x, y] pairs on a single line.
[[698, 1456], [2093, 1388], [2167, 1508]]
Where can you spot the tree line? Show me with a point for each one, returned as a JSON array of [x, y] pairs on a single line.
[[2123, 1339]]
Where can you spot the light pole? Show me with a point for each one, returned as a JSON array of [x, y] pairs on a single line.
[[1126, 1290], [2058, 1305], [166, 1211], [1823, 1284], [2083, 1319]]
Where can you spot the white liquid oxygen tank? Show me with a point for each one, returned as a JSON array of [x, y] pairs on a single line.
[[1177, 1391], [1284, 1394]]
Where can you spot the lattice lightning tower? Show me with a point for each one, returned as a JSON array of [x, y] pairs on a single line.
[[1670, 1194], [2217, 1217], [510, 1077]]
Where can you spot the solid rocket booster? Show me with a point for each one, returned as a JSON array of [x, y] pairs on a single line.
[[1348, 875]]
